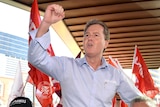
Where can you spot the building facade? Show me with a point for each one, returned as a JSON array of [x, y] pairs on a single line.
[[13, 49]]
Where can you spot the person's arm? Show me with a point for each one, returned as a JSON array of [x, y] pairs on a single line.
[[53, 14], [37, 52], [127, 90]]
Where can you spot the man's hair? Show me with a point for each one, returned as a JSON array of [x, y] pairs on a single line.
[[95, 21], [146, 99], [20, 102]]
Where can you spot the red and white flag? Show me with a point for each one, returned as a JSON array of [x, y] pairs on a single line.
[[112, 62], [40, 80], [144, 81], [17, 87]]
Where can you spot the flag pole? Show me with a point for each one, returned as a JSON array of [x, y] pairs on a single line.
[[24, 87], [33, 96], [134, 55]]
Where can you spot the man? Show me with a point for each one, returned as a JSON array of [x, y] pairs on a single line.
[[85, 82], [21, 102], [143, 102]]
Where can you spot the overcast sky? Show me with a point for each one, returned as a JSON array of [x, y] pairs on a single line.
[[15, 21]]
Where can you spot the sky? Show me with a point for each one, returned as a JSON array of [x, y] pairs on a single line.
[[15, 21]]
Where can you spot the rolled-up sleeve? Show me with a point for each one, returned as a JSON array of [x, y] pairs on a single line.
[[39, 57], [37, 47], [44, 41]]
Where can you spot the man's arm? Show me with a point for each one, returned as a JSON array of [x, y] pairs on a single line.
[[53, 14], [37, 52]]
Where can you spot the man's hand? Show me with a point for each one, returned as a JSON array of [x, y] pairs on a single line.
[[53, 14]]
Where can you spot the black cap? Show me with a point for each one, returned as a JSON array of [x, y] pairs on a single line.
[[20, 102]]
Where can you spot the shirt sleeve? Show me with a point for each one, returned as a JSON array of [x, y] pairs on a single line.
[[127, 90], [39, 57], [44, 40]]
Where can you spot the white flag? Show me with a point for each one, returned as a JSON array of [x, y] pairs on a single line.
[[17, 87]]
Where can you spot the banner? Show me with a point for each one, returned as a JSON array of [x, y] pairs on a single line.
[[17, 87], [44, 89], [144, 81]]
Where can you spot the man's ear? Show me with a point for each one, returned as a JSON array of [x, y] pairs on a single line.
[[106, 43]]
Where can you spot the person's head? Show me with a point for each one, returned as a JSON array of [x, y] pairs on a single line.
[[96, 37], [143, 101], [20, 102]]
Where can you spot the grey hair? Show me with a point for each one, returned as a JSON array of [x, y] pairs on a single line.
[[95, 21], [149, 101]]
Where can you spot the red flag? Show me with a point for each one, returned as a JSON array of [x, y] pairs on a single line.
[[123, 104], [112, 62], [40, 80], [115, 63], [29, 79], [144, 81], [56, 86]]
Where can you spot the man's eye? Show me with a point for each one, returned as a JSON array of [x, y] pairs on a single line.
[[86, 35], [96, 35]]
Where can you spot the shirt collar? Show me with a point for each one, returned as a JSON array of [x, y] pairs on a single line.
[[83, 61]]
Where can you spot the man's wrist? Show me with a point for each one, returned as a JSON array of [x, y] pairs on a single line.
[[118, 99]]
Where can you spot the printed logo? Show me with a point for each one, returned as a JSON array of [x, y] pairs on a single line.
[[44, 90]]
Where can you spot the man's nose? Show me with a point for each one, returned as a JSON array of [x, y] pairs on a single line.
[[90, 36]]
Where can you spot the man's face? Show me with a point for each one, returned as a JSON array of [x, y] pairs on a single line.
[[140, 104], [94, 41]]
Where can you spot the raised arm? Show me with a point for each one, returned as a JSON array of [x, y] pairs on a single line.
[[53, 14]]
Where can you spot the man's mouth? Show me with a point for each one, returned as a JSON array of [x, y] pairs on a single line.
[[89, 45]]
